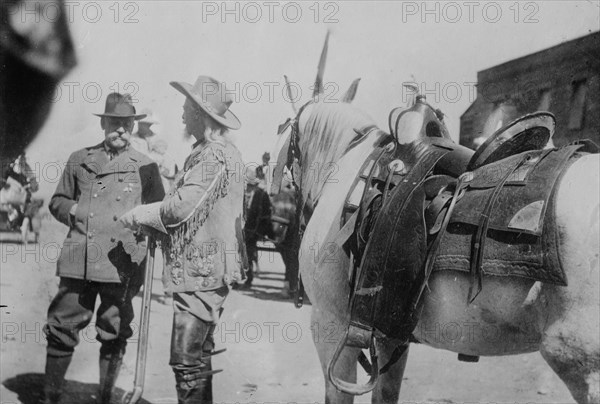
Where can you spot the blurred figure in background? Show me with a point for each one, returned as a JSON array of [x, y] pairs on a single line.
[[166, 164], [142, 139], [36, 54], [258, 219], [263, 172]]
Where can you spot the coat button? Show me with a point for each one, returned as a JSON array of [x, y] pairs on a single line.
[[92, 214], [112, 239], [118, 198], [90, 235], [115, 218], [95, 195]]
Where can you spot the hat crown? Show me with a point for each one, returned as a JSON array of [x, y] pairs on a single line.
[[119, 105], [251, 177], [213, 94]]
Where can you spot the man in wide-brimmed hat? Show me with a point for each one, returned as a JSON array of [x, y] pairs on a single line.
[[100, 257], [201, 220], [143, 137]]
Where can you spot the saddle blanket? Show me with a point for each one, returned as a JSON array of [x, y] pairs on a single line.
[[517, 244]]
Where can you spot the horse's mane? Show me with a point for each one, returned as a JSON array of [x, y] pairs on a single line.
[[326, 131]]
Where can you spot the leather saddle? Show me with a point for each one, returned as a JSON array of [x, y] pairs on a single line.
[[407, 189]]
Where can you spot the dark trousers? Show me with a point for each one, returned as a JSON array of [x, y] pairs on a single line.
[[72, 310], [289, 255], [252, 252]]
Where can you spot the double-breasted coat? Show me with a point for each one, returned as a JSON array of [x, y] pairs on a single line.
[[98, 247], [202, 220]]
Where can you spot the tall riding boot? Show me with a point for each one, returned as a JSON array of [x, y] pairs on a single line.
[[109, 371], [56, 368], [198, 391]]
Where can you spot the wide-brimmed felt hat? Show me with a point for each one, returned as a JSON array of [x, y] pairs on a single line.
[[212, 97], [149, 118], [119, 106], [250, 176]]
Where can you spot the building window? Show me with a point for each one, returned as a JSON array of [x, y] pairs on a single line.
[[576, 113], [545, 100]]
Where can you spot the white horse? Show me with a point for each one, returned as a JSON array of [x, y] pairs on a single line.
[[562, 323]]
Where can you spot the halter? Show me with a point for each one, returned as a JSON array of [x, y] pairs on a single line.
[[294, 148], [294, 159]]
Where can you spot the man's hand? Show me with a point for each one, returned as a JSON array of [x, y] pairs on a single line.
[[142, 216], [130, 219]]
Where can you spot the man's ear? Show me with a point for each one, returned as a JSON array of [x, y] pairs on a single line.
[[102, 122]]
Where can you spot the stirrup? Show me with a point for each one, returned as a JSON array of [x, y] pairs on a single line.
[[354, 388]]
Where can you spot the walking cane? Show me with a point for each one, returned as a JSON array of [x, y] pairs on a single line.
[[133, 396]]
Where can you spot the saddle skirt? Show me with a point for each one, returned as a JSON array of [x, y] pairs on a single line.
[[522, 234]]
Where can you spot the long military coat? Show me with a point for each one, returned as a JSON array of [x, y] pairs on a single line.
[[202, 218], [98, 247]]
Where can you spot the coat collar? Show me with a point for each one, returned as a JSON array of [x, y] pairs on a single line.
[[97, 160]]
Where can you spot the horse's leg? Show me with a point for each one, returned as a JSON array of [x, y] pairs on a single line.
[[387, 390], [571, 341], [327, 333], [571, 346]]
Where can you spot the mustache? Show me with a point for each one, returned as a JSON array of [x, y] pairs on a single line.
[[116, 134]]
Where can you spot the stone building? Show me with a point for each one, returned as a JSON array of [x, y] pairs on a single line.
[[563, 79]]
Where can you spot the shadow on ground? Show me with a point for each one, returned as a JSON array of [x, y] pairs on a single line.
[[264, 292], [29, 386]]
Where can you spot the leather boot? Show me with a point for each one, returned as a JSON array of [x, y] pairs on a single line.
[[197, 392], [109, 371], [56, 368]]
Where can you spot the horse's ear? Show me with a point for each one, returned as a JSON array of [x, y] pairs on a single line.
[[289, 93], [318, 88], [351, 91]]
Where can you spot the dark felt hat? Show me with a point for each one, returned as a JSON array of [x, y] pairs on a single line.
[[119, 106]]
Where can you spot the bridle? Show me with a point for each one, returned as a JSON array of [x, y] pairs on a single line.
[[294, 147]]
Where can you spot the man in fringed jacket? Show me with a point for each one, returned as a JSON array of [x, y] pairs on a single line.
[[201, 220]]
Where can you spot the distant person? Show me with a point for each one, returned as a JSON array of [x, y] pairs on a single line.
[[99, 257], [166, 164], [144, 136], [258, 219], [284, 206], [263, 172]]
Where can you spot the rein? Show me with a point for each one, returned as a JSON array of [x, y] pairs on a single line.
[[294, 164]]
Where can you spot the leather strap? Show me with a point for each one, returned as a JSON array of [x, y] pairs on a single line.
[[478, 244]]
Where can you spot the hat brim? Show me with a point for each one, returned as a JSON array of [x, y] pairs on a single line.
[[136, 117], [228, 119], [149, 121]]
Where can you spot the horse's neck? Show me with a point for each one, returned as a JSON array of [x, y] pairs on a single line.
[[337, 169]]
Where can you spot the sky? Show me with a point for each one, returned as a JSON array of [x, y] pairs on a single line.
[[140, 46]]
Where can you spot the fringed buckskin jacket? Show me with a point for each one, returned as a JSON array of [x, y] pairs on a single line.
[[201, 220]]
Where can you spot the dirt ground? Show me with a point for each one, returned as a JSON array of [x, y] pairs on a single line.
[[270, 356]]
